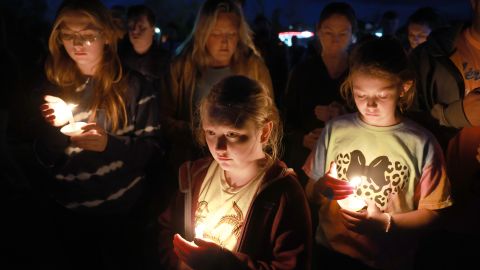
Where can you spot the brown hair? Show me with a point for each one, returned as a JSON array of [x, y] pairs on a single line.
[[61, 70], [236, 100], [380, 57]]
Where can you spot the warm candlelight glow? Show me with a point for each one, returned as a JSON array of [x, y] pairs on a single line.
[[199, 230], [61, 110], [353, 202], [63, 115], [73, 129]]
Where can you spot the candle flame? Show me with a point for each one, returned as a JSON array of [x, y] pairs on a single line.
[[61, 110], [355, 181], [199, 230], [352, 202]]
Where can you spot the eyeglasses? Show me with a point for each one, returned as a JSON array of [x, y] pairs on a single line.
[[84, 40]]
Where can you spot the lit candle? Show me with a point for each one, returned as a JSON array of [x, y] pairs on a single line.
[[352, 202], [63, 114]]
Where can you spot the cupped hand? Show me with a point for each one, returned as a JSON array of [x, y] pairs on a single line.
[[332, 187], [48, 113], [199, 254], [366, 221], [94, 138]]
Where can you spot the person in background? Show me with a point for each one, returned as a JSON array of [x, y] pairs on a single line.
[[448, 102], [399, 167], [144, 54], [274, 52], [389, 23], [119, 18], [313, 90], [219, 45], [420, 24], [247, 210], [96, 177]]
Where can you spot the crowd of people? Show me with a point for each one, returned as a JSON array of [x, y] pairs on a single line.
[[362, 153]]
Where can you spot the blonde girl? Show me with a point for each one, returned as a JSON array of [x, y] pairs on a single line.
[[247, 210], [400, 167]]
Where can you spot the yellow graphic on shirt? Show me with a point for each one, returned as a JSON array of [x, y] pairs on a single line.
[[220, 230]]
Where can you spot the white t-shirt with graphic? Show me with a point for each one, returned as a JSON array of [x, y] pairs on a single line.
[[221, 208], [401, 168]]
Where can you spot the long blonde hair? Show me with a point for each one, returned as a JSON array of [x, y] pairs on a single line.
[[110, 86], [193, 54]]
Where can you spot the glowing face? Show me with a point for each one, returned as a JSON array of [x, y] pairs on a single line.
[[83, 42], [417, 34], [335, 34], [376, 99], [223, 39], [233, 148], [140, 32]]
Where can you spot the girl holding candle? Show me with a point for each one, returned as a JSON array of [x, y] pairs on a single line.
[[246, 206], [399, 164], [98, 176], [219, 45]]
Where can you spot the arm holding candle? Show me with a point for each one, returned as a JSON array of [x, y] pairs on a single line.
[[103, 176], [373, 220], [200, 254], [329, 186], [94, 138], [272, 236]]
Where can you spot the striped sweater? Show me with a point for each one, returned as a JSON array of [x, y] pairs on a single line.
[[108, 182]]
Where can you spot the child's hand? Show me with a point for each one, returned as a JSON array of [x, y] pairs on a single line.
[[198, 255], [310, 139], [371, 220], [478, 153], [335, 109], [94, 138], [322, 113], [331, 187]]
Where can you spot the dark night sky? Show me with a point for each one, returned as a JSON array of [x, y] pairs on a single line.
[[304, 12]]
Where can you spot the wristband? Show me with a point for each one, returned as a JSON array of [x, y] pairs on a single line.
[[389, 222]]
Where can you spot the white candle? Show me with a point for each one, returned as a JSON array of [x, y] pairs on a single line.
[[73, 129], [353, 202], [63, 114]]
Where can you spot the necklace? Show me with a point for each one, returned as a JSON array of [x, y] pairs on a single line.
[[82, 87]]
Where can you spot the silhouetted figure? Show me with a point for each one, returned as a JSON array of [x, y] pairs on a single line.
[[274, 53]]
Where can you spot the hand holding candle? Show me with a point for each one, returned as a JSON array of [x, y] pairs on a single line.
[[199, 254], [331, 187], [58, 113], [353, 202], [371, 220], [92, 138]]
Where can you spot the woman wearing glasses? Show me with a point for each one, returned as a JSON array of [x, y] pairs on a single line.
[[97, 177]]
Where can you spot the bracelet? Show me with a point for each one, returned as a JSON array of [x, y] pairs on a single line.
[[389, 222]]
